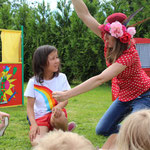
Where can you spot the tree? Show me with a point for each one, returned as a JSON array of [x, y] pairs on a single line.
[[80, 50], [6, 20]]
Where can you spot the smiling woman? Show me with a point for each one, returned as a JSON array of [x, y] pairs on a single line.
[[131, 85]]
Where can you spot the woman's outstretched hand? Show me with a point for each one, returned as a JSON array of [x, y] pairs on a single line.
[[59, 96]]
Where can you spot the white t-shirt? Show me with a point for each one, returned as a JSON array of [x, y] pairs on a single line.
[[42, 92]]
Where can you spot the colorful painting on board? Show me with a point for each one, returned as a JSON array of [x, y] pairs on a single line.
[[10, 85]]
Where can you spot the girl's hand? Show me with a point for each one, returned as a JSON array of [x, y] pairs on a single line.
[[60, 96], [34, 131], [56, 111]]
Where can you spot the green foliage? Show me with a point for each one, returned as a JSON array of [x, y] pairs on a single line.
[[5, 15], [80, 51], [82, 54], [6, 20]]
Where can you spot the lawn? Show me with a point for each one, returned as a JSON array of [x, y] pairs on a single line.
[[85, 110]]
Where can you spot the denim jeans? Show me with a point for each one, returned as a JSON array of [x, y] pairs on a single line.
[[110, 121]]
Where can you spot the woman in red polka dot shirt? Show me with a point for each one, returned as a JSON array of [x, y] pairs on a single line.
[[130, 83]]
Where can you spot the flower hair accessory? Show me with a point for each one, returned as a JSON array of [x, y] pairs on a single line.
[[116, 25], [117, 30]]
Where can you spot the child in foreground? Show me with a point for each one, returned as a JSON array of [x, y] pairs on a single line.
[[44, 112], [134, 133], [59, 140]]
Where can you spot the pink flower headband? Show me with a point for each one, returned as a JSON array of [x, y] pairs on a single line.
[[117, 30]]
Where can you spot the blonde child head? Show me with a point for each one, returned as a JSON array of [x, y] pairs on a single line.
[[135, 132], [59, 140]]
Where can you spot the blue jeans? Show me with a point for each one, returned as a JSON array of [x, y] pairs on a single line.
[[110, 122]]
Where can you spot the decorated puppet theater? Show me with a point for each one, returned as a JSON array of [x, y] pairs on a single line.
[[143, 47], [11, 68]]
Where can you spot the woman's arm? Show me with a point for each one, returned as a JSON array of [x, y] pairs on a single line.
[[91, 83], [83, 13]]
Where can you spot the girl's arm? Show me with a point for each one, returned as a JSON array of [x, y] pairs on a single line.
[[57, 110], [83, 13], [109, 73], [62, 104], [30, 112]]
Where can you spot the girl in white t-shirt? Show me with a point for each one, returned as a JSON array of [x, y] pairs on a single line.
[[44, 112]]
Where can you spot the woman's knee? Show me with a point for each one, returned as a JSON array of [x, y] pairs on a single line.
[[100, 130], [107, 130], [103, 130]]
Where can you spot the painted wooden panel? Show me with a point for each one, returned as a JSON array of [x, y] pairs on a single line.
[[10, 84]]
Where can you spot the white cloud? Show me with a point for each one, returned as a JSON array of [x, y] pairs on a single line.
[[53, 3]]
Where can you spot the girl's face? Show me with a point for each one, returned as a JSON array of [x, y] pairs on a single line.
[[52, 62], [110, 40]]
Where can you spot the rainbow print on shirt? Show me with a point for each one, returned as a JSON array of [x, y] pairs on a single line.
[[47, 95]]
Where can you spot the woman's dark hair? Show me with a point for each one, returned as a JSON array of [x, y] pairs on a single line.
[[39, 61], [114, 53]]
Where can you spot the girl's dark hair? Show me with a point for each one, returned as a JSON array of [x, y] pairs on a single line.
[[39, 61], [114, 53]]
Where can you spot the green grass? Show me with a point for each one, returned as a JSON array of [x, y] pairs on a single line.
[[85, 110]]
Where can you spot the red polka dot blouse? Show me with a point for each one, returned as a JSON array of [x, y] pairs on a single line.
[[133, 81]]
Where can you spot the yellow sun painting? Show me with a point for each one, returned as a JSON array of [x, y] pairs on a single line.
[[6, 85]]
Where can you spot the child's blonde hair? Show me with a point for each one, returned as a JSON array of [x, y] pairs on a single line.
[[59, 140], [134, 133]]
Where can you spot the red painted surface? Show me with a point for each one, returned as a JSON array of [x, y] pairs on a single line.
[[147, 70], [142, 40], [10, 85]]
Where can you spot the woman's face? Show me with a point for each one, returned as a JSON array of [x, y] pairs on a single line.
[[110, 40], [52, 62]]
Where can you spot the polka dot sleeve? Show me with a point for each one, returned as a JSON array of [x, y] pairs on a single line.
[[126, 59]]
